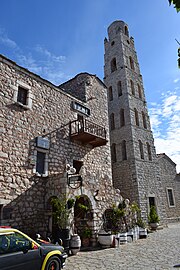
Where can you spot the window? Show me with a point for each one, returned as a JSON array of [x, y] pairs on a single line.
[[77, 165], [131, 63], [112, 123], [40, 162], [14, 242], [141, 149], [170, 197], [119, 87], [132, 88], [113, 152], [126, 31], [123, 150], [136, 117], [110, 93], [144, 120], [139, 91], [149, 151], [113, 65], [122, 118], [23, 95]]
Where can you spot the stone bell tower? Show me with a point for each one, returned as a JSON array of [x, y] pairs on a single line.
[[134, 163]]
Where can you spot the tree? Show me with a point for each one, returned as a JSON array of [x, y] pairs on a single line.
[[176, 4]]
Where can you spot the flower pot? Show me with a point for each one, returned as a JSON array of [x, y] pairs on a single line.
[[154, 226], [75, 244], [123, 238], [130, 236], [85, 242], [105, 239], [142, 233], [135, 233]]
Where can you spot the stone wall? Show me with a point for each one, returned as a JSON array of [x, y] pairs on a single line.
[[24, 195]]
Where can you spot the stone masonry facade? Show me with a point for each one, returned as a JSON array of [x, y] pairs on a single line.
[[24, 192], [100, 129], [137, 172]]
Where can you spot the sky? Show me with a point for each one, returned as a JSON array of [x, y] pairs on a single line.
[[58, 39]]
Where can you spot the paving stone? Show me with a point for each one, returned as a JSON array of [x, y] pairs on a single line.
[[159, 251]]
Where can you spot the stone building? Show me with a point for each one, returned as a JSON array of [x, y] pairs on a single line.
[[137, 171], [54, 140]]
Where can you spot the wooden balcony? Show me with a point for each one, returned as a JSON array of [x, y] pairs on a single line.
[[87, 132]]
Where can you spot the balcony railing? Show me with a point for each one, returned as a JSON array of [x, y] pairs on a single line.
[[87, 132]]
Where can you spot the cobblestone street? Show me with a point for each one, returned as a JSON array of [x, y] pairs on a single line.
[[161, 250]]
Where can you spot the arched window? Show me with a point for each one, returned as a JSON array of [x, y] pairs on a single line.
[[141, 149], [110, 93], [136, 117], [113, 65], [112, 123], [139, 91], [123, 150], [122, 118], [119, 87], [113, 152], [149, 151], [132, 88], [131, 62], [144, 120], [126, 31]]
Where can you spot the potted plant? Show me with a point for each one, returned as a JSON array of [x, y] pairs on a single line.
[[153, 218], [142, 228], [61, 209], [86, 235]]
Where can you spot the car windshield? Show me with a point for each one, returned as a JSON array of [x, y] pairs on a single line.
[[13, 242]]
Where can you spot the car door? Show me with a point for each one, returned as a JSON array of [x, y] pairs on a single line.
[[17, 253]]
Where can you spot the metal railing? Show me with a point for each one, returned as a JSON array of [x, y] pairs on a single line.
[[85, 126]]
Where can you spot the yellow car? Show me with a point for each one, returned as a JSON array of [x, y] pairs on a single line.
[[18, 251]]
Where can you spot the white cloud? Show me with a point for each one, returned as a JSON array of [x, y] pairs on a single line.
[[49, 55], [165, 120], [38, 60], [5, 40], [176, 80]]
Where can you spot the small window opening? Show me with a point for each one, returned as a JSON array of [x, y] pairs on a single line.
[[170, 197], [149, 151], [22, 95], [123, 149], [40, 162], [141, 149], [77, 165], [113, 152], [144, 120], [132, 88], [119, 87], [126, 31], [122, 118], [110, 93], [136, 117], [113, 65], [112, 122], [139, 91], [131, 62]]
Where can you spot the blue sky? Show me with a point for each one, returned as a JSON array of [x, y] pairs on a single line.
[[60, 38]]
